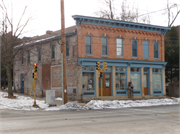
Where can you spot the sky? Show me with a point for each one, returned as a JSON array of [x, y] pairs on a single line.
[[46, 13]]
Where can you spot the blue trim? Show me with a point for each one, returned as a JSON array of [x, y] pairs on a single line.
[[155, 90], [158, 50], [137, 90], [90, 43], [117, 91], [106, 45], [89, 91], [119, 24], [145, 49], [123, 63], [132, 48], [117, 47]]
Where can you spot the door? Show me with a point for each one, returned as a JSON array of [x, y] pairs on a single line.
[[106, 84], [145, 84], [22, 83]]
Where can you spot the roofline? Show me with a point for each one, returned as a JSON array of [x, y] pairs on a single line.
[[119, 23], [46, 40]]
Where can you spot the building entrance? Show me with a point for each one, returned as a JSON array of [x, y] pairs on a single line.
[[106, 84]]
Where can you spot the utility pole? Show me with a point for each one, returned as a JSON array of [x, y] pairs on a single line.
[[63, 50], [179, 59]]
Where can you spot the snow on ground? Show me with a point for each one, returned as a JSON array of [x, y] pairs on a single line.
[[58, 98], [25, 103], [97, 104]]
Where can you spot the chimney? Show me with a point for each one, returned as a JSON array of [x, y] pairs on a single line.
[[48, 32]]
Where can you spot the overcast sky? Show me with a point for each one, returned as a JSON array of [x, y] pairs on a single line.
[[46, 13]]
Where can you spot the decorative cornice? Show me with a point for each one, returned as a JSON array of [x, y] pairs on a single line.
[[119, 24]]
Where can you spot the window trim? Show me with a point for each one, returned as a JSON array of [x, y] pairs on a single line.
[[121, 47], [143, 49], [102, 45], [39, 54], [52, 45], [90, 44], [154, 48], [132, 48]]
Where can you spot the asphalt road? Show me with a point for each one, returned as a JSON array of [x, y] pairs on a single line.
[[143, 120]]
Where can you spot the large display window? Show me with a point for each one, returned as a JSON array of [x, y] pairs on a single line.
[[136, 80], [88, 81], [157, 79]]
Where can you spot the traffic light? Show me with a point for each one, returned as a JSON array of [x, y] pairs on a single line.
[[101, 75], [98, 65], [104, 66], [35, 71], [98, 74]]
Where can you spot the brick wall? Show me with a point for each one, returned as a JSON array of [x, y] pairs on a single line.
[[112, 33]]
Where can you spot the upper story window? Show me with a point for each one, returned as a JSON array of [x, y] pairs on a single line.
[[39, 54], [156, 50], [52, 51], [67, 48], [119, 47], [22, 58], [28, 56], [134, 48], [104, 45], [88, 44], [145, 49]]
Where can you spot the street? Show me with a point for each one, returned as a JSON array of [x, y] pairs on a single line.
[[141, 120]]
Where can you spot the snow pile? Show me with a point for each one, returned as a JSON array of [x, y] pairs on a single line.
[[58, 98], [98, 104], [67, 106], [20, 103]]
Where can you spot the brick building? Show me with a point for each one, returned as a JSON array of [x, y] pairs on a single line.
[[133, 52]]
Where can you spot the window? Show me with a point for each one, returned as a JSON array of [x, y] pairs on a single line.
[[134, 48], [88, 45], [121, 78], [119, 47], [157, 79], [156, 50], [136, 78], [88, 81], [104, 45], [67, 48], [145, 49], [28, 56], [52, 51], [22, 58], [39, 54]]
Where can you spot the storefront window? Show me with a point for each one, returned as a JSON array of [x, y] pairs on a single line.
[[157, 83], [136, 78], [121, 69], [121, 81], [88, 81]]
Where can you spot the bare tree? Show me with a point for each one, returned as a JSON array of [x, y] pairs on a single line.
[[10, 37], [127, 13], [171, 16]]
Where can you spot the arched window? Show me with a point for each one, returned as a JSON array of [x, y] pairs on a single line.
[[156, 50], [134, 48], [145, 49], [88, 45], [104, 46]]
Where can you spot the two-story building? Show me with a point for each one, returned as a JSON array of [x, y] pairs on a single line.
[[133, 52]]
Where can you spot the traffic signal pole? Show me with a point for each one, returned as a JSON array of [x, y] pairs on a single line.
[[63, 50]]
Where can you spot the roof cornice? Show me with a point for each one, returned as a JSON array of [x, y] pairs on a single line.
[[119, 24]]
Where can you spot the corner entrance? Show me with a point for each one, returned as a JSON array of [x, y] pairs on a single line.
[[106, 84]]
